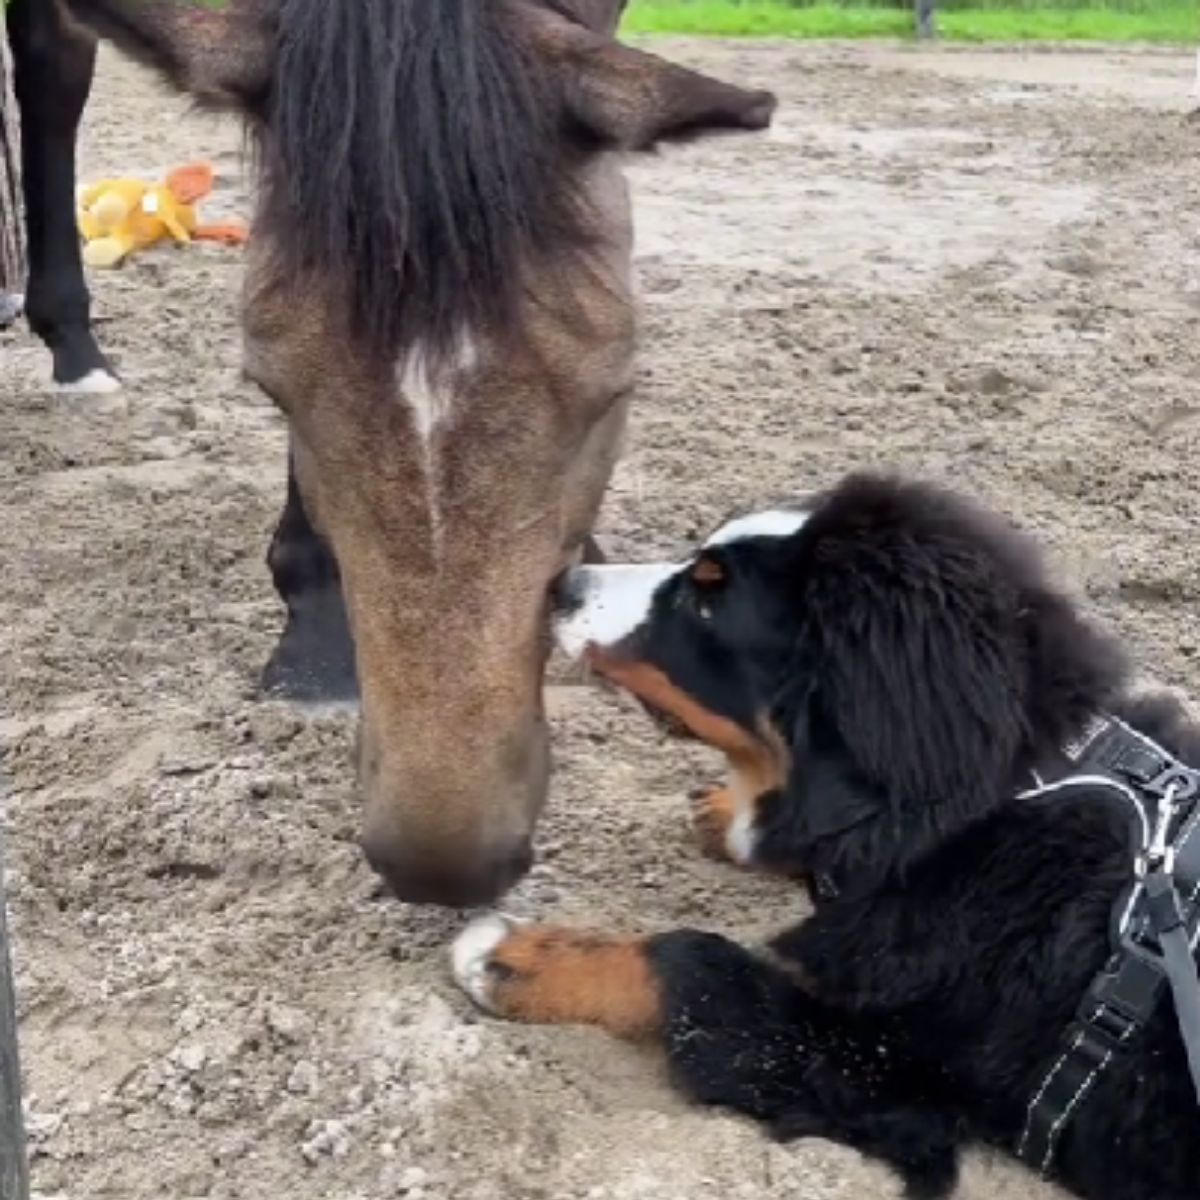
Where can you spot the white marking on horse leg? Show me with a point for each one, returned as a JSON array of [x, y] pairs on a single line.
[[96, 382]]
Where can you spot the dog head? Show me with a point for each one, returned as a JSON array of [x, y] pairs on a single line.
[[895, 650]]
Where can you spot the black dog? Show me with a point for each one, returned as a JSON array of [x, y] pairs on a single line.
[[898, 689]]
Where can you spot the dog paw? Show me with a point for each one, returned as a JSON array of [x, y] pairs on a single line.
[[713, 815], [472, 957], [724, 827], [550, 975]]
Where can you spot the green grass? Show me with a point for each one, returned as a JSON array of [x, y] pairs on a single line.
[[1153, 21]]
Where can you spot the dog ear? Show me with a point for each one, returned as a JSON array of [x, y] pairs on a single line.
[[923, 692], [914, 661], [625, 99]]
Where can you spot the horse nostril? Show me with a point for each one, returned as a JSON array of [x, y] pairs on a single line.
[[420, 881]]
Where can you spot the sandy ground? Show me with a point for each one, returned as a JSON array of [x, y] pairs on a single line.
[[978, 265]]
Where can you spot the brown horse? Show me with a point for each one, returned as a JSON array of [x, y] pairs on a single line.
[[438, 297]]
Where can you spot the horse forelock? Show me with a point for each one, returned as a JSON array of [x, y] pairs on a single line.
[[413, 157]]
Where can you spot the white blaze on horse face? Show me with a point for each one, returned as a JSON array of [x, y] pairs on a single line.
[[429, 397], [605, 604], [770, 523]]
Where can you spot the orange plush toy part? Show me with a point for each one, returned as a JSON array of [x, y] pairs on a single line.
[[191, 184], [119, 216]]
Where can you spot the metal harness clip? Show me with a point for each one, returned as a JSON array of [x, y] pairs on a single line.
[[1159, 856]]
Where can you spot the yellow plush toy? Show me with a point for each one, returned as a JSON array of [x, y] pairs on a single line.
[[118, 216]]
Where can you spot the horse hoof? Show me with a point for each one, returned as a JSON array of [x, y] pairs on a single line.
[[80, 367], [97, 382]]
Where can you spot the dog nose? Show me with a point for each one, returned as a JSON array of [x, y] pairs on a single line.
[[567, 593]]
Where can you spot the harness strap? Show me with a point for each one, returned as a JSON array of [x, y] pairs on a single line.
[[1170, 923], [1120, 1001], [1153, 944]]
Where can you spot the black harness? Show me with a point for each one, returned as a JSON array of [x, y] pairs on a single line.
[[1155, 927]]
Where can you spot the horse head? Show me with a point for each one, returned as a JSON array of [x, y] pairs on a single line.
[[438, 296]]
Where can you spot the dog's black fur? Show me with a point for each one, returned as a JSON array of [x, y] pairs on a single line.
[[911, 650]]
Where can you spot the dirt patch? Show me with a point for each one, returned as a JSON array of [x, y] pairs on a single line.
[[979, 266]]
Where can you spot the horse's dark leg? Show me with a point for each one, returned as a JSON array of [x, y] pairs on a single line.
[[53, 68], [314, 660]]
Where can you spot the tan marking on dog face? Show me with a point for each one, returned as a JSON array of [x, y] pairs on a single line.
[[650, 684], [758, 763]]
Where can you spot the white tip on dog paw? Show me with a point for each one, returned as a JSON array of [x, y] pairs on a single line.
[[740, 838], [471, 955]]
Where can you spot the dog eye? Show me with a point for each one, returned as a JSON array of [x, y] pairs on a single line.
[[706, 577], [707, 572]]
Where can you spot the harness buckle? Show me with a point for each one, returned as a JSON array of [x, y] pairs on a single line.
[[1123, 996], [1107, 1029], [1174, 782], [1154, 862]]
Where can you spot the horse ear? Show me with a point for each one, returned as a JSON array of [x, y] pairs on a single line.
[[219, 53], [629, 100], [600, 16]]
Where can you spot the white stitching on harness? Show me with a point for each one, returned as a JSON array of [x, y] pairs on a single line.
[[1051, 1076], [1083, 1089], [1192, 827], [1094, 781], [1042, 788]]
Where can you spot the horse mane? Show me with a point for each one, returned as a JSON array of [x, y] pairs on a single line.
[[412, 154]]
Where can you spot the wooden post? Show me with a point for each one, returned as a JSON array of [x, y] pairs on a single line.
[[14, 1166], [926, 29], [12, 265]]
